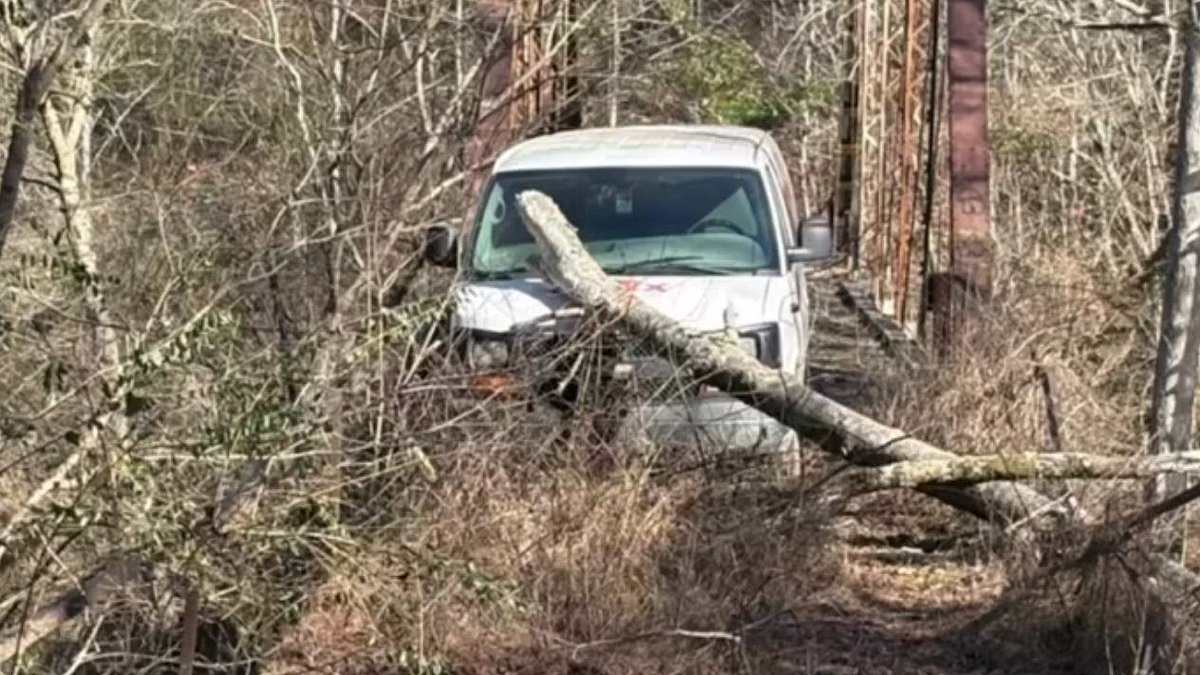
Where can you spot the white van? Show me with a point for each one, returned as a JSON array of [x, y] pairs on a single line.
[[700, 222]]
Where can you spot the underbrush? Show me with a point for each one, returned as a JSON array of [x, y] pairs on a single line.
[[446, 524], [437, 528], [1061, 362], [496, 571], [511, 539], [1060, 346]]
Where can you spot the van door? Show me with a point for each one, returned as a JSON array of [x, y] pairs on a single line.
[[797, 285]]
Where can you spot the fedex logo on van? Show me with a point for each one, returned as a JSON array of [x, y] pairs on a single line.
[[642, 285]]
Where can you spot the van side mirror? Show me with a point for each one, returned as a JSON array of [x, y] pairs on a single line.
[[816, 241], [441, 245]]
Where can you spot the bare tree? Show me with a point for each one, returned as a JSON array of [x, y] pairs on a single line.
[[1174, 393], [41, 62], [66, 118]]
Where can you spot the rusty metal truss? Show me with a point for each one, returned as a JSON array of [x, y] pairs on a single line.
[[892, 192], [530, 84], [970, 218], [543, 72], [919, 20], [891, 60]]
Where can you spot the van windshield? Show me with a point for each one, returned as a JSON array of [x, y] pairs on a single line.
[[641, 221]]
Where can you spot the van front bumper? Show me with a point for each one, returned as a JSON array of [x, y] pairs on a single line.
[[714, 422]]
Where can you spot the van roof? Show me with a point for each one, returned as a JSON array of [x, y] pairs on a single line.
[[637, 146]]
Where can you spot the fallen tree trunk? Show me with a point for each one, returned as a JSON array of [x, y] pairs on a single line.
[[1020, 466], [862, 440], [1173, 395]]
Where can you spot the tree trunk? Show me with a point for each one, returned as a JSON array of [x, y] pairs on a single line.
[[1019, 466], [18, 150], [614, 81], [1174, 392], [66, 136], [39, 77]]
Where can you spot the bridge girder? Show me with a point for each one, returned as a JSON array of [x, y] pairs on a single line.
[[891, 105]]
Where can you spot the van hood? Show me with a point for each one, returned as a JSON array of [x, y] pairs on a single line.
[[702, 303]]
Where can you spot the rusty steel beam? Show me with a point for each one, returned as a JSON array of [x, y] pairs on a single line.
[[547, 85], [527, 52], [880, 95], [970, 220], [493, 130], [917, 29], [534, 29], [883, 226], [522, 92], [868, 134], [882, 50]]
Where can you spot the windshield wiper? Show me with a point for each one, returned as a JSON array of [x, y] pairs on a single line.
[[498, 276], [689, 264]]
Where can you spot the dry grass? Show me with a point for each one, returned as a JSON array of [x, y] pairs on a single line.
[[1063, 322], [1052, 315], [499, 568]]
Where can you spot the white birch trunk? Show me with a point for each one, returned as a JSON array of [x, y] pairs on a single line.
[[1174, 392], [66, 129]]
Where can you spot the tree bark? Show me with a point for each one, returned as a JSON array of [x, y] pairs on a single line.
[[39, 77], [66, 140], [1174, 391], [18, 149], [1020, 466]]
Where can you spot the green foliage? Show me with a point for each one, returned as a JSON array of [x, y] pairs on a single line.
[[405, 328], [489, 590], [54, 376], [724, 76], [679, 11], [248, 415]]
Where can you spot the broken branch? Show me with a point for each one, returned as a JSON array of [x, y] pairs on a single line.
[[1019, 466]]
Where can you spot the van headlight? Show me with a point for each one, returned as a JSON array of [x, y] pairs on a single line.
[[486, 351]]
